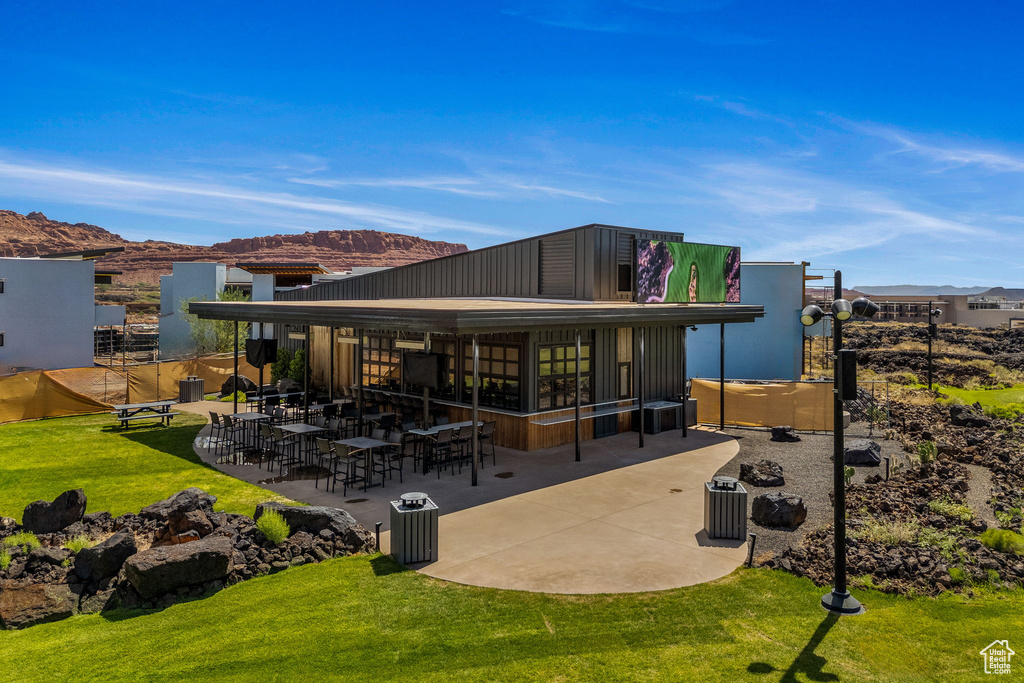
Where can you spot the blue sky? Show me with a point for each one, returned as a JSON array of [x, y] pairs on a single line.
[[881, 138]]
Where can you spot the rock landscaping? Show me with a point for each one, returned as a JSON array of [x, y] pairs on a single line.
[[764, 472], [778, 510], [175, 549]]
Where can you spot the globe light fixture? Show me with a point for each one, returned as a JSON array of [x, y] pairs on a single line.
[[864, 307], [811, 314], [842, 309]]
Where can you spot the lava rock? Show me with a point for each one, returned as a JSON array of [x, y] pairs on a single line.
[[242, 383], [160, 570], [778, 510], [8, 525], [762, 473], [42, 517], [862, 452], [27, 604], [178, 505], [99, 602], [784, 433], [193, 520], [968, 416], [314, 519], [106, 558]]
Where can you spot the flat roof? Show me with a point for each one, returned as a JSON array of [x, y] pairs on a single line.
[[478, 315], [282, 268], [85, 255]]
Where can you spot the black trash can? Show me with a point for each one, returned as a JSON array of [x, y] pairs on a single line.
[[414, 529]]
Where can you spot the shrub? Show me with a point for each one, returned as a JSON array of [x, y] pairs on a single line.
[[889, 532], [279, 368], [848, 474], [26, 539], [906, 378], [273, 527], [946, 542], [1010, 411], [1003, 541], [78, 543], [5, 559], [993, 577], [297, 368], [948, 508], [231, 397], [1005, 519], [957, 575]]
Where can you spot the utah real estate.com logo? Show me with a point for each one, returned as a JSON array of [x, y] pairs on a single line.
[[997, 657]]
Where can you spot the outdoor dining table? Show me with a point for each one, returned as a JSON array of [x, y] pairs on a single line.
[[433, 431], [261, 400], [366, 445], [248, 419], [303, 430], [160, 410]]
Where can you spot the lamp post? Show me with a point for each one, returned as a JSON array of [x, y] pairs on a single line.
[[933, 333], [839, 600]]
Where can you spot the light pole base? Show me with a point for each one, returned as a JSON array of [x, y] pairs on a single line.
[[841, 603]]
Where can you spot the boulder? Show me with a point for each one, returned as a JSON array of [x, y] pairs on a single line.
[[24, 604], [105, 559], [315, 519], [968, 416], [8, 525], [778, 510], [241, 381], [784, 433], [158, 571], [762, 473], [862, 452], [286, 385], [177, 506], [41, 517], [193, 520], [100, 602]]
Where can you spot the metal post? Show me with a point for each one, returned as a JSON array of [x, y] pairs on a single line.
[[721, 378], [579, 391], [359, 382], [305, 381], [426, 390], [235, 381], [259, 391], [476, 402], [332, 346], [930, 346], [640, 386], [839, 600], [685, 393]]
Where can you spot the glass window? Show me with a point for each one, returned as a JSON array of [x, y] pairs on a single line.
[[499, 380], [556, 384], [382, 364]]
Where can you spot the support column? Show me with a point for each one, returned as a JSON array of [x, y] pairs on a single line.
[[235, 392], [426, 390], [359, 382], [332, 346], [685, 393], [579, 390], [305, 381], [259, 391], [476, 403], [721, 378], [640, 385]]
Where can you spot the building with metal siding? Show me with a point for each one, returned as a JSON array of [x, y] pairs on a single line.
[[523, 373]]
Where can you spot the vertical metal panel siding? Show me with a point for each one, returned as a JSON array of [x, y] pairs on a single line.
[[661, 362]]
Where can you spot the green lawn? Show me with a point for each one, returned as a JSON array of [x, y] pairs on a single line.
[[119, 471], [986, 397], [363, 619], [357, 619]]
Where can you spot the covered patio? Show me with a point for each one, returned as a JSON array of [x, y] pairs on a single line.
[[624, 519]]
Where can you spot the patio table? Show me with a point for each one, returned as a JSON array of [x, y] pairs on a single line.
[[248, 419], [366, 445], [160, 410], [303, 430], [432, 432]]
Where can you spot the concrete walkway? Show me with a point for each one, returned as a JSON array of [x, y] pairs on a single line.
[[625, 519]]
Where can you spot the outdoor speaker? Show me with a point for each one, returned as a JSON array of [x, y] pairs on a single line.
[[846, 366], [933, 330], [260, 352]]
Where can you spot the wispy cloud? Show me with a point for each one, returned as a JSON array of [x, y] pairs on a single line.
[[217, 202], [946, 156]]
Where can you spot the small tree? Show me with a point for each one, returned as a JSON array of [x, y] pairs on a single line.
[[297, 368], [280, 368], [216, 336]]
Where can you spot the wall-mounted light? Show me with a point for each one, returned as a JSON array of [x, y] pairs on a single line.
[[301, 336], [410, 344], [346, 339]]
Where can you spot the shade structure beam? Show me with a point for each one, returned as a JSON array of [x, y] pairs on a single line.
[[579, 392], [476, 406]]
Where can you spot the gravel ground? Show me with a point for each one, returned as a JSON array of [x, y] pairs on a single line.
[[807, 468]]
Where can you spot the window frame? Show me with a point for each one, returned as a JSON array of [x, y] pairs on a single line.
[[563, 383]]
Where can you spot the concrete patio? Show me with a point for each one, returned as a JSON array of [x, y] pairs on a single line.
[[624, 519]]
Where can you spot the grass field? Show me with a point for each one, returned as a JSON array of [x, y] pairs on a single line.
[[119, 471], [986, 397], [365, 619]]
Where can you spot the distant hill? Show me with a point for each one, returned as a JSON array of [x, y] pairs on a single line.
[[920, 290], [1011, 294], [145, 262]]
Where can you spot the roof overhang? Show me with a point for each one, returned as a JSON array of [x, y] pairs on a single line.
[[470, 316], [270, 268], [86, 255]]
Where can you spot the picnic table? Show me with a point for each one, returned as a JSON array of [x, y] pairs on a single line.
[[365, 444], [155, 410]]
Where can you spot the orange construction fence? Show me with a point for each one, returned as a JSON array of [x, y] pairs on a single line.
[[78, 391], [802, 405]]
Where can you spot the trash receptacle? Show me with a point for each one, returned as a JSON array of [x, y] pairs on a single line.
[[725, 508], [190, 389], [414, 529]]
